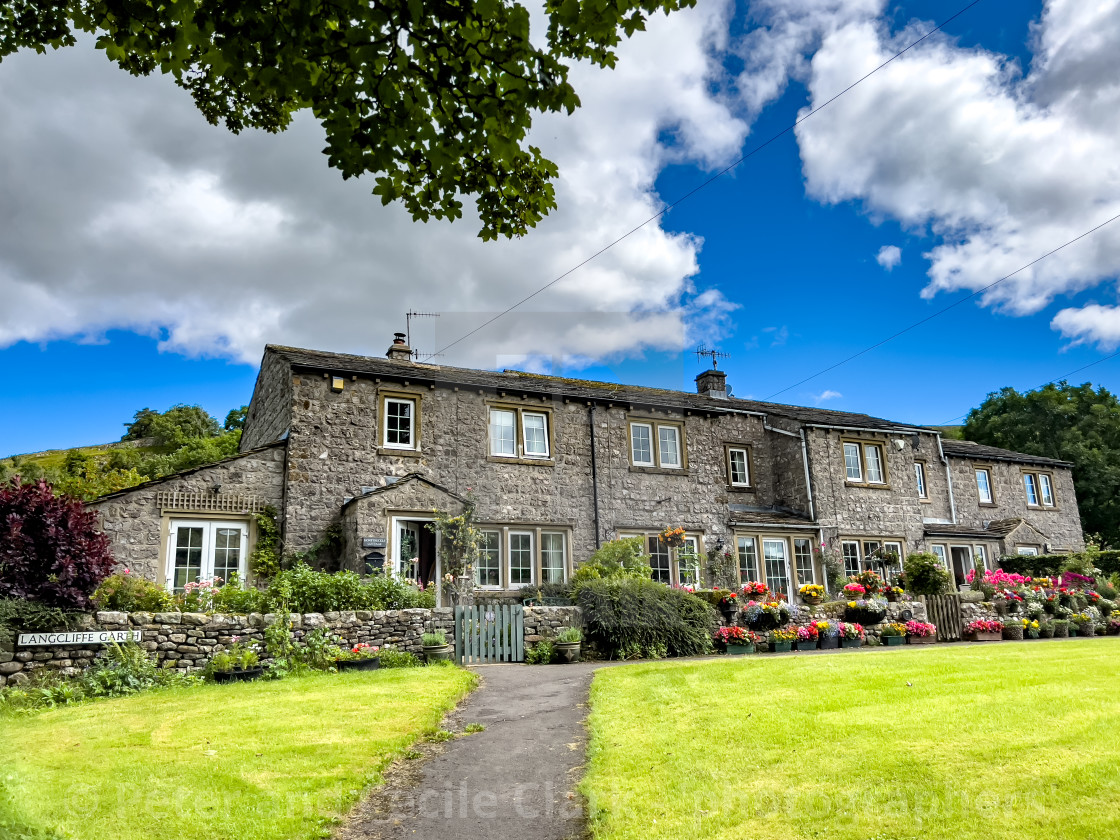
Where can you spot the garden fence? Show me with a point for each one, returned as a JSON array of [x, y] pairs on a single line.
[[945, 612]]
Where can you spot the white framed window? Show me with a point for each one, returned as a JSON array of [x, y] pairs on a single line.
[[849, 549], [803, 562], [748, 559], [521, 558], [400, 423], [777, 568], [981, 553], [1046, 486], [669, 447], [939, 552], [1031, 486], [488, 567], [688, 562], [738, 467], [920, 477], [1029, 550], [659, 560], [534, 426], [853, 464], [873, 455], [553, 557], [893, 566], [503, 433], [641, 444], [984, 486], [204, 550]]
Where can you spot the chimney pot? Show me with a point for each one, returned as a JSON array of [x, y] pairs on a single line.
[[399, 349], [712, 383]]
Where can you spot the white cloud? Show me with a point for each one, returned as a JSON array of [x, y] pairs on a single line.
[[889, 256], [826, 395], [1001, 166], [126, 210], [778, 335]]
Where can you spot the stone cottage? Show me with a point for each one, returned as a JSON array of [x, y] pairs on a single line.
[[366, 448]]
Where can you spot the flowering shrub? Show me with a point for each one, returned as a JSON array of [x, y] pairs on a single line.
[[1114, 626], [198, 595], [808, 633], [731, 599], [358, 652], [1075, 581], [1000, 579], [126, 592], [811, 590], [920, 629], [735, 636], [893, 629], [1031, 628], [780, 636], [871, 582], [827, 629], [768, 615], [849, 630], [755, 590], [855, 589], [672, 537], [981, 626]]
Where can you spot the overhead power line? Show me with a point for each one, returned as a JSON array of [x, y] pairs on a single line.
[[943, 310], [1044, 384], [706, 183]]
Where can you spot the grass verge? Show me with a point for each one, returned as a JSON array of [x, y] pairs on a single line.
[[994, 742], [255, 760]]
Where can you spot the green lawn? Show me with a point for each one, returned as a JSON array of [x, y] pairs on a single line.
[[252, 761], [1010, 740]]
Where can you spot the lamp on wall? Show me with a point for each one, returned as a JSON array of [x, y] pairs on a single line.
[[217, 488]]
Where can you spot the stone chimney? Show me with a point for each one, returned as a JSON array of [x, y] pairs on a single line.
[[712, 383], [399, 351]]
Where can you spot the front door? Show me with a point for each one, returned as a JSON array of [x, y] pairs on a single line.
[[960, 562], [776, 561]]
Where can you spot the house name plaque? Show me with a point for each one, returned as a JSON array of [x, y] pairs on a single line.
[[88, 637]]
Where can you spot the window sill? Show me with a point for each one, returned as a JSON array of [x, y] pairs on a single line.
[[658, 470], [741, 488], [987, 504], [406, 453], [533, 462], [925, 501], [867, 485]]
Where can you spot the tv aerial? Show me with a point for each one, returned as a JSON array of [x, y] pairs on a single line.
[[702, 352], [408, 332]]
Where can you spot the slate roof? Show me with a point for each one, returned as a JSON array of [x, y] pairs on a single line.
[[769, 517], [980, 452], [580, 389], [395, 485], [997, 529]]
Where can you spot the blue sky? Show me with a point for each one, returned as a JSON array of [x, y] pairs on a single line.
[[788, 241]]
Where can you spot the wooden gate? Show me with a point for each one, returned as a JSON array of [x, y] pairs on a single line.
[[945, 612], [489, 633]]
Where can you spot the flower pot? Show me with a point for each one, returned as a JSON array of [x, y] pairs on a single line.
[[1014, 634], [1060, 632], [437, 653], [739, 650], [851, 643], [812, 600], [921, 640], [781, 647], [367, 664], [891, 641], [807, 644], [239, 675], [829, 643], [892, 597], [984, 637], [566, 651]]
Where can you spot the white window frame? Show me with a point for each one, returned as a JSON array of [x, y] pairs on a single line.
[[880, 463], [920, 476], [209, 531], [1046, 490], [563, 556], [987, 486], [1030, 487], [633, 449], [941, 553], [532, 557], [981, 552], [525, 434], [1027, 550], [845, 556], [490, 428], [796, 562], [857, 479], [661, 462], [691, 561], [740, 545], [411, 403], [485, 550], [732, 451]]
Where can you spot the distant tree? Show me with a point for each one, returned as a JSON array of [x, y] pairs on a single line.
[[433, 98], [236, 418], [141, 425], [1073, 423], [51, 549], [174, 427]]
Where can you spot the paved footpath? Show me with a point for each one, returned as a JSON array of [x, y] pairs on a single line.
[[514, 781]]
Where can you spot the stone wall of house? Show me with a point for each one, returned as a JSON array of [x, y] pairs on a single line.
[[334, 453], [1061, 524], [892, 510], [134, 520], [270, 409], [187, 641]]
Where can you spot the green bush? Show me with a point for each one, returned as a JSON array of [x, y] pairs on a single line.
[[625, 558], [392, 657], [239, 600], [624, 615], [923, 574], [541, 653], [20, 616], [305, 590], [712, 596], [127, 592]]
